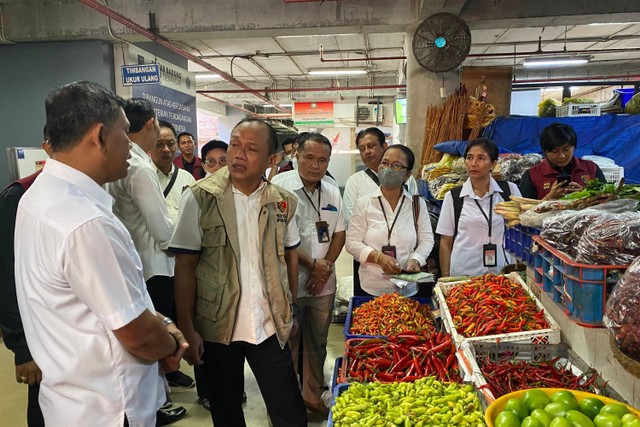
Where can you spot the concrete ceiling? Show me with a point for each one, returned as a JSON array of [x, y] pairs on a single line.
[[272, 44]]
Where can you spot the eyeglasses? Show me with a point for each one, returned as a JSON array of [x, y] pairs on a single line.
[[169, 143], [212, 162], [394, 166]]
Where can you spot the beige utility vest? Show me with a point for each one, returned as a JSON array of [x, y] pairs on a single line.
[[218, 270]]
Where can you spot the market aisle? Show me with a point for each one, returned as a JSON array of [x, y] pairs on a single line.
[[13, 399]]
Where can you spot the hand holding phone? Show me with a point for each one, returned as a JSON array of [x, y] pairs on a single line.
[[564, 180]]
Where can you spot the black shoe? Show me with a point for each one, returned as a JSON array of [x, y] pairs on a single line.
[[206, 404], [170, 416], [178, 379], [244, 397]]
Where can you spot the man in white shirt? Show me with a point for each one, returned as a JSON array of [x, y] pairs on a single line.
[[237, 279], [141, 207], [88, 319], [321, 224], [173, 180], [371, 144]]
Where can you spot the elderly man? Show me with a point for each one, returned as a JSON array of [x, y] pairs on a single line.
[[322, 228], [237, 279], [172, 179], [89, 322]]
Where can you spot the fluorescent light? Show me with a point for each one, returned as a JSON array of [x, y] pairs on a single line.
[[207, 76], [337, 71], [554, 62], [282, 105]]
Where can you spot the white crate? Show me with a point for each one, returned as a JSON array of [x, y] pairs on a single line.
[[613, 174], [571, 110], [542, 336]]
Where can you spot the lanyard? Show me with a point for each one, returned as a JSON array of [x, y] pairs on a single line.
[[489, 223], [389, 230], [304, 190]]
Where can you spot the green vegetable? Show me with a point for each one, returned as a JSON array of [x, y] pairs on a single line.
[[425, 402], [592, 188], [534, 399], [543, 416], [507, 419], [557, 409], [547, 108], [607, 420], [531, 422], [616, 409], [633, 106], [578, 419], [627, 418], [560, 422], [518, 408], [590, 406]]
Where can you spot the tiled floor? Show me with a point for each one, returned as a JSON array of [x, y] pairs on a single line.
[[13, 401]]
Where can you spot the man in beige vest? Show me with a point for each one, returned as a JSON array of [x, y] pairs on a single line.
[[237, 279]]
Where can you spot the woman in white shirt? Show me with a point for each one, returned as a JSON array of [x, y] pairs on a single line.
[[382, 233], [471, 247]]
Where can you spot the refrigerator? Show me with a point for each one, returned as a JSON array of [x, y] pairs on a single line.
[[23, 161]]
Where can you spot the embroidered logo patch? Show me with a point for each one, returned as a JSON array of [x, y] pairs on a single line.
[[546, 185], [585, 178], [282, 206]]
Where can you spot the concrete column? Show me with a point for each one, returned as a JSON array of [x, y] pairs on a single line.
[[423, 90]]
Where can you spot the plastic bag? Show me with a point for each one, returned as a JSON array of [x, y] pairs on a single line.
[[613, 239], [622, 315], [617, 206], [564, 230], [534, 217]]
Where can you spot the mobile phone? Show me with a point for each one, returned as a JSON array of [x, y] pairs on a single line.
[[564, 180]]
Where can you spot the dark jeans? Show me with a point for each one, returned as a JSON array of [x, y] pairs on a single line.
[[273, 369], [34, 414], [160, 290]]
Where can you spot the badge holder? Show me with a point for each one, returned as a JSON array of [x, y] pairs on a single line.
[[322, 230], [490, 255], [389, 250]]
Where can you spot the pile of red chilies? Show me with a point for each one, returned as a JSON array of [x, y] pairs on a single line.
[[493, 304], [401, 358], [390, 314], [512, 375]]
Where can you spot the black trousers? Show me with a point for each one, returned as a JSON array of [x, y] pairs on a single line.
[[34, 414], [160, 290], [273, 369], [357, 289]]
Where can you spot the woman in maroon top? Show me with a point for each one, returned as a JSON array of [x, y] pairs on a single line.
[[560, 172]]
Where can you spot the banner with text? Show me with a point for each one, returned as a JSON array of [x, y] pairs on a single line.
[[313, 114], [173, 97]]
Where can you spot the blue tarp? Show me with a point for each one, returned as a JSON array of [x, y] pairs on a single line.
[[616, 136]]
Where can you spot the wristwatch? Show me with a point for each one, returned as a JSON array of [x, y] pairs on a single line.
[[294, 310]]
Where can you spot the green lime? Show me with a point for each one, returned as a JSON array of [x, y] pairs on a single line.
[[590, 406], [518, 408], [534, 399], [617, 409], [507, 418]]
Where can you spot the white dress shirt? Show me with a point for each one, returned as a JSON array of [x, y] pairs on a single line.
[[331, 211], [78, 278], [254, 323], [141, 207], [473, 230], [172, 199], [368, 231], [360, 184]]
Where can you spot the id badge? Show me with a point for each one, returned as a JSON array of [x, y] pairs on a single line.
[[489, 255], [322, 230], [389, 250]]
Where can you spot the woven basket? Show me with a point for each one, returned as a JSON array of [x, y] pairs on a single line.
[[630, 365]]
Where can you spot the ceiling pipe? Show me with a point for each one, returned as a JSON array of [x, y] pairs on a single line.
[[110, 13], [366, 58], [599, 79], [258, 115], [305, 89], [547, 53]]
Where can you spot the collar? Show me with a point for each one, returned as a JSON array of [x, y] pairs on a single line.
[[260, 189], [162, 173], [78, 179], [548, 169], [467, 189], [378, 192], [138, 151]]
